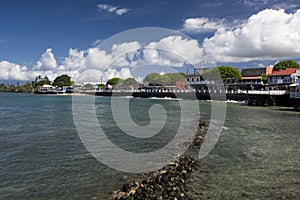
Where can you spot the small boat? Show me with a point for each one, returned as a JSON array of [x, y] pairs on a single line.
[[49, 89]]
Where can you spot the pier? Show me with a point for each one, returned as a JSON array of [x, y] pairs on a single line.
[[251, 97]]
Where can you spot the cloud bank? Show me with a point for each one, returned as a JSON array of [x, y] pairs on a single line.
[[95, 64]]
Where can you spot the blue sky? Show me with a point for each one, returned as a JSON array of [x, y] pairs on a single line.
[[47, 37]]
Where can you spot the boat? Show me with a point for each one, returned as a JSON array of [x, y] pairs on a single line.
[[49, 89]]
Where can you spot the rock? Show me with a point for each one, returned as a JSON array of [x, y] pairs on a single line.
[[168, 182]]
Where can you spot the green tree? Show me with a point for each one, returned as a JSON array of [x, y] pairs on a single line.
[[157, 78], [264, 78], [226, 72], [130, 81], [176, 76], [23, 88], [114, 81], [286, 64], [46, 80], [164, 78], [101, 85], [153, 77], [63, 80], [3, 87], [39, 81], [88, 85], [11, 88]]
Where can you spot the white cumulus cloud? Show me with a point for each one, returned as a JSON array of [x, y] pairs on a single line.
[[267, 35], [174, 50], [97, 59], [111, 73], [75, 60], [95, 63], [12, 71], [47, 61]]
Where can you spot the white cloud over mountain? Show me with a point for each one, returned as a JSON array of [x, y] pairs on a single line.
[[268, 35]]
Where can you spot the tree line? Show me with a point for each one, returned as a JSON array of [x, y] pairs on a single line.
[[59, 81]]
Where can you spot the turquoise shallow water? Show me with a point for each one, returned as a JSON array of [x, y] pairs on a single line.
[[42, 157]]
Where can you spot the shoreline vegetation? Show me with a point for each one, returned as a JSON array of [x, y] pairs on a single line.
[[169, 181]]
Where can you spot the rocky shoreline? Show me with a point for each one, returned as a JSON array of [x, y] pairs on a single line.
[[167, 182]]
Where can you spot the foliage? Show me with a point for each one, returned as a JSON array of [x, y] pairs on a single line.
[[286, 64], [157, 78], [226, 72], [27, 87], [264, 78], [114, 81], [88, 85], [176, 76], [130, 81], [101, 85], [39, 81], [6, 88], [24, 88], [153, 77], [63, 80]]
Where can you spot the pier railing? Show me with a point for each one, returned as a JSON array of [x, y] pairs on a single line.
[[295, 95], [253, 92], [269, 92]]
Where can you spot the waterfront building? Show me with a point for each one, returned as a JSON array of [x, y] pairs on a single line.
[[283, 77], [254, 76], [252, 79], [295, 87], [196, 82]]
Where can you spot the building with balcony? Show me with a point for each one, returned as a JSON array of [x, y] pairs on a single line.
[[283, 77], [295, 87], [254, 76], [195, 82]]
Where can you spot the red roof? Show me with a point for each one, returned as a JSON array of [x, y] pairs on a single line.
[[282, 72]]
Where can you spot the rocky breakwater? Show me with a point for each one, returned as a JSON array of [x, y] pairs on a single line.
[[167, 182]]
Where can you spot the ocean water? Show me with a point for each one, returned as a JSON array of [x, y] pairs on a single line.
[[42, 156], [256, 157]]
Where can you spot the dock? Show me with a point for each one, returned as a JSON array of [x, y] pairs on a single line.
[[251, 97]]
